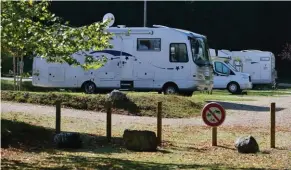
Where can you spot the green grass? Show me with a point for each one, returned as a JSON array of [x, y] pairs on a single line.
[[270, 92], [141, 104], [29, 145], [26, 86]]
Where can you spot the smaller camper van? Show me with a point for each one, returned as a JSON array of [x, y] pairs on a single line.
[[226, 76], [158, 58], [259, 64]]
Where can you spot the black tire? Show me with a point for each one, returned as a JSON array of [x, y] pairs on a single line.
[[233, 88], [89, 87], [170, 89]]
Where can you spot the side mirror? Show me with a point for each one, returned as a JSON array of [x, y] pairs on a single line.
[[228, 72]]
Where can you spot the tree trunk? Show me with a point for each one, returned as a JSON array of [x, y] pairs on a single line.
[[17, 72], [14, 73], [21, 72]]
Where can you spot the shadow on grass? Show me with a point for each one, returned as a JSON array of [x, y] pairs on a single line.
[[225, 147], [184, 147], [127, 105], [70, 162], [236, 106], [30, 138]]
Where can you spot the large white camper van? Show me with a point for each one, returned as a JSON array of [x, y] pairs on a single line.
[[157, 58], [259, 64], [226, 76]]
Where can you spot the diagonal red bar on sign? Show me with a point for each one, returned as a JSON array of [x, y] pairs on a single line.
[[213, 114]]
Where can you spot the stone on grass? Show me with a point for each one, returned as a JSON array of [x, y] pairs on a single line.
[[247, 144], [68, 140], [137, 140], [117, 95]]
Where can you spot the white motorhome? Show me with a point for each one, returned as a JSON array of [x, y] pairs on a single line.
[[157, 58], [226, 76], [259, 64]]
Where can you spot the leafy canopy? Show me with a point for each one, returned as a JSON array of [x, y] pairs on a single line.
[[29, 28], [286, 52]]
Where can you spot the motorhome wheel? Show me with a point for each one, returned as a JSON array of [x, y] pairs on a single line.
[[233, 88], [170, 89], [89, 88]]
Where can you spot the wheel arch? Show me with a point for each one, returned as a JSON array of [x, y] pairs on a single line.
[[168, 84]]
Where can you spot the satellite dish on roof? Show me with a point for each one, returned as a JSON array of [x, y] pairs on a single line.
[[109, 16]]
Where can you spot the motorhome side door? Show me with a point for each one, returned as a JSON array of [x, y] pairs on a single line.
[[126, 59], [265, 68]]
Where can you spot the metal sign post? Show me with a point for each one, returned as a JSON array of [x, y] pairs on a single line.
[[213, 114]]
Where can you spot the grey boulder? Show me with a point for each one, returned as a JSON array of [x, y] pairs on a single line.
[[140, 140], [117, 95], [247, 144], [68, 140]]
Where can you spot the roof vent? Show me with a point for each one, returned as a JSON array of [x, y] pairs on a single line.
[[121, 26]]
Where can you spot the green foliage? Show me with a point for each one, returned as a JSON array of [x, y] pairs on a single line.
[[237, 59], [26, 86], [29, 29], [286, 52]]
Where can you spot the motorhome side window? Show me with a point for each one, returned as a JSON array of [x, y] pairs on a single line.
[[148, 44], [221, 68], [178, 52]]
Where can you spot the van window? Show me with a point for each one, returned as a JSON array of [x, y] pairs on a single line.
[[148, 44], [178, 53], [265, 58], [221, 68]]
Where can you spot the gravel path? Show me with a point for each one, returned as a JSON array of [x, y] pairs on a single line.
[[243, 113]]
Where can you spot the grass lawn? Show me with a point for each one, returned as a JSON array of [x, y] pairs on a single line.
[[27, 140], [141, 104]]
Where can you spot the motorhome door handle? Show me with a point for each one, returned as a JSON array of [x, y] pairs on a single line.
[[194, 75]]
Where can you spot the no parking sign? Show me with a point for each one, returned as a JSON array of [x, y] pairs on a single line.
[[213, 114]]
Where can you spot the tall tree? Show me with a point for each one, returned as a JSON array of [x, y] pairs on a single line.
[[29, 28], [286, 52]]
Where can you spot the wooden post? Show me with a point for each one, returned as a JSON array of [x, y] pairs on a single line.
[[108, 122], [272, 110], [214, 136], [58, 116], [159, 124]]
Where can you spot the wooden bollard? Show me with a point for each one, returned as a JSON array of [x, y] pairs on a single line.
[[273, 124], [108, 121], [58, 116], [159, 124]]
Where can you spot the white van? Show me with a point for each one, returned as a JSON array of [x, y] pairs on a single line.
[[157, 58], [226, 76]]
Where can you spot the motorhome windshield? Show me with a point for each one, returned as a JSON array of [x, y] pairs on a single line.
[[231, 66], [200, 51]]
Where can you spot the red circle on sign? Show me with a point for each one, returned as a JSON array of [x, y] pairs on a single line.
[[206, 109]]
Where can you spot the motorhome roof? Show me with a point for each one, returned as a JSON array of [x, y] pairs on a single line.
[[254, 52], [186, 32], [190, 34]]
